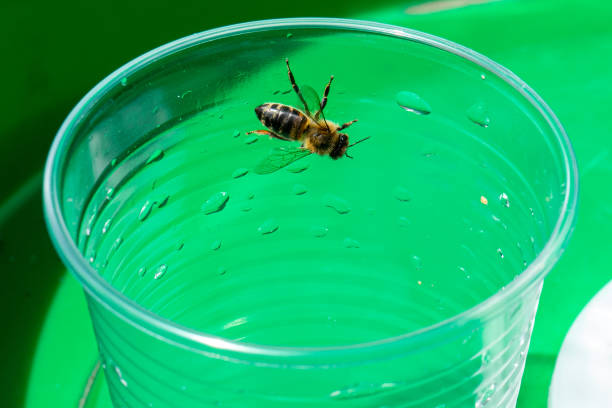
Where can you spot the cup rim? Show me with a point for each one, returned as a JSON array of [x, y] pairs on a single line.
[[136, 315]]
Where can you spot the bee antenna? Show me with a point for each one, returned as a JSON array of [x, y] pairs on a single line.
[[359, 141]]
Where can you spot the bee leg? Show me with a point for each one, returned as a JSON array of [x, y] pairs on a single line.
[[347, 124], [324, 100], [296, 88], [266, 132]]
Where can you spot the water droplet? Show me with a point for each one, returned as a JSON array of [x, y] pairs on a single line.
[[251, 139], [161, 271], [240, 172], [121, 379], [319, 231], [482, 76], [145, 210], [221, 270], [412, 103], [215, 203], [114, 247], [236, 133], [340, 205], [289, 35], [269, 226], [483, 200], [142, 271], [299, 189], [184, 94], [416, 262], [245, 208], [485, 396], [90, 223], [478, 114], [250, 196], [163, 202], [362, 390], [503, 197], [501, 254], [403, 222], [156, 155], [92, 256], [531, 211], [180, 245], [109, 193], [155, 109], [401, 193], [298, 166], [351, 243], [113, 162], [107, 225], [486, 358], [215, 245], [124, 81]]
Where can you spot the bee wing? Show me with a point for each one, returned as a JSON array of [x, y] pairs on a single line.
[[312, 100], [280, 157]]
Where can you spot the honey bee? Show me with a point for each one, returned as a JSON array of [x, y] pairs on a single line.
[[317, 134]]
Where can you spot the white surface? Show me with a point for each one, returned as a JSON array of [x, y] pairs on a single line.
[[583, 373]]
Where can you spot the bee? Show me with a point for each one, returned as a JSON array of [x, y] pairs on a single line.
[[317, 134]]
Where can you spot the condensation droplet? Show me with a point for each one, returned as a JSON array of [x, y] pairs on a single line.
[[179, 246], [245, 207], [161, 271], [155, 156], [501, 254], [184, 94], [163, 202], [268, 227], [236, 133], [142, 271], [289, 35], [482, 76], [250, 196], [298, 166], [124, 81], [503, 198], [319, 231], [416, 262], [299, 189], [109, 193], [107, 225], [145, 210], [215, 203], [251, 139], [351, 243], [478, 114], [403, 222], [340, 205], [240, 172], [221, 270], [215, 245], [485, 396], [113, 162], [412, 102], [401, 193]]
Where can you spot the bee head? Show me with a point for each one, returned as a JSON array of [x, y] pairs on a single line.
[[340, 146]]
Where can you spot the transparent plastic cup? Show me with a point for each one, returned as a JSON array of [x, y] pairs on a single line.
[[432, 306]]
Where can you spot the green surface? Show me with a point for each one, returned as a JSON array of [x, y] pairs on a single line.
[[560, 49]]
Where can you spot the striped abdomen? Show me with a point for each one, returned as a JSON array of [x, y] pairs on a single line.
[[282, 119]]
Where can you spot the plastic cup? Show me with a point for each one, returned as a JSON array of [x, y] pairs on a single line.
[[418, 335]]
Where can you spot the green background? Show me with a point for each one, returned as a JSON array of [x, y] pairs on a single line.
[[53, 53]]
